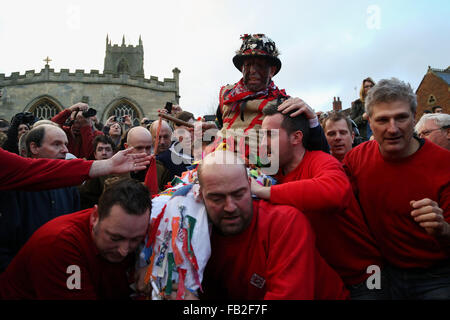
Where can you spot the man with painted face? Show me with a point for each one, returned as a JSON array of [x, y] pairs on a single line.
[[241, 104], [84, 255]]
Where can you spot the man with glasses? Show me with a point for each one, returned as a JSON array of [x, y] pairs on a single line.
[[436, 128]]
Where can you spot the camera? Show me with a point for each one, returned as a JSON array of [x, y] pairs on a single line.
[[209, 118], [168, 107], [89, 113]]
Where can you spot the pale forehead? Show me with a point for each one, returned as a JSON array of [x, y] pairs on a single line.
[[223, 178], [390, 108], [139, 135], [120, 222], [155, 124], [340, 124], [273, 121], [103, 145], [54, 133]]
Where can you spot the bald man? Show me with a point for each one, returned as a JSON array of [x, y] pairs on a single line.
[[258, 250], [141, 140]]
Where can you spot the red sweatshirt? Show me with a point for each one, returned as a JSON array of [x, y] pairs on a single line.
[[320, 189], [274, 258], [85, 149], [18, 173], [385, 189], [41, 268]]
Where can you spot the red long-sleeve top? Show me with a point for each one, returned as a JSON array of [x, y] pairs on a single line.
[[319, 188], [44, 266], [274, 258], [18, 173], [84, 148], [385, 189]]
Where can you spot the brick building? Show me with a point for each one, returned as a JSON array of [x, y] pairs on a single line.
[[434, 90]]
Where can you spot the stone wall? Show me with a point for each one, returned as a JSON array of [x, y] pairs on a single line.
[[20, 92]]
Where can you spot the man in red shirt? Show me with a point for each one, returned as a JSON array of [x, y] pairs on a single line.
[[84, 255], [258, 250], [403, 185], [80, 133], [315, 183]]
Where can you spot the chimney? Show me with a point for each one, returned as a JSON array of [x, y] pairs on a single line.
[[337, 104]]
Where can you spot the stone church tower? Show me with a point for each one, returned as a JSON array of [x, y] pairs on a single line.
[[124, 59], [121, 89]]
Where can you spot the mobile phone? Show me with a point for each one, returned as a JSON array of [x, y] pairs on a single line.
[[168, 107]]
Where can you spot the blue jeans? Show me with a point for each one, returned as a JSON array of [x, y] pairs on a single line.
[[420, 284], [362, 292]]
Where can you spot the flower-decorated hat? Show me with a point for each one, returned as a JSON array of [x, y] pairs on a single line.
[[257, 45]]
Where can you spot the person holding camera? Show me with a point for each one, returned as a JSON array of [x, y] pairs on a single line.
[[115, 128], [79, 130], [20, 124]]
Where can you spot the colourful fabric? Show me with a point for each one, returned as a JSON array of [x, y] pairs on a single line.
[[319, 188], [18, 173], [274, 258], [385, 189], [41, 268], [242, 109]]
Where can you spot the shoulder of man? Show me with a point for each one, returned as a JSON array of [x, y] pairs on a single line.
[[276, 215]]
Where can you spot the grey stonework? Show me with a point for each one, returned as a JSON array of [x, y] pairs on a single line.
[[102, 91]]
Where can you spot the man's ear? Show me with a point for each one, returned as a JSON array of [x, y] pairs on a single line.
[[353, 136], [34, 149], [272, 71], [94, 216], [297, 137], [125, 145]]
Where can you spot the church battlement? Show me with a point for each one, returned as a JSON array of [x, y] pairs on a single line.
[[94, 76]]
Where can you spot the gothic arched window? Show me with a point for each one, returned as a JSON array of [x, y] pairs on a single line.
[[44, 109], [125, 108]]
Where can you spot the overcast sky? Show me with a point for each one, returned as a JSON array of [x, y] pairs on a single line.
[[327, 47]]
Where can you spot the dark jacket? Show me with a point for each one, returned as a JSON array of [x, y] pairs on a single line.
[[22, 213]]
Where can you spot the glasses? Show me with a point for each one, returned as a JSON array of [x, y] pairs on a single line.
[[426, 133], [368, 86]]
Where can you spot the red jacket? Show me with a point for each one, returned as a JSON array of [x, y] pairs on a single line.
[[274, 258], [41, 269], [320, 189], [84, 149], [385, 189], [18, 173]]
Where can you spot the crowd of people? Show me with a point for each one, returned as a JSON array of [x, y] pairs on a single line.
[[360, 208]]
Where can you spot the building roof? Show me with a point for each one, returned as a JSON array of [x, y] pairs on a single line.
[[443, 74]]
